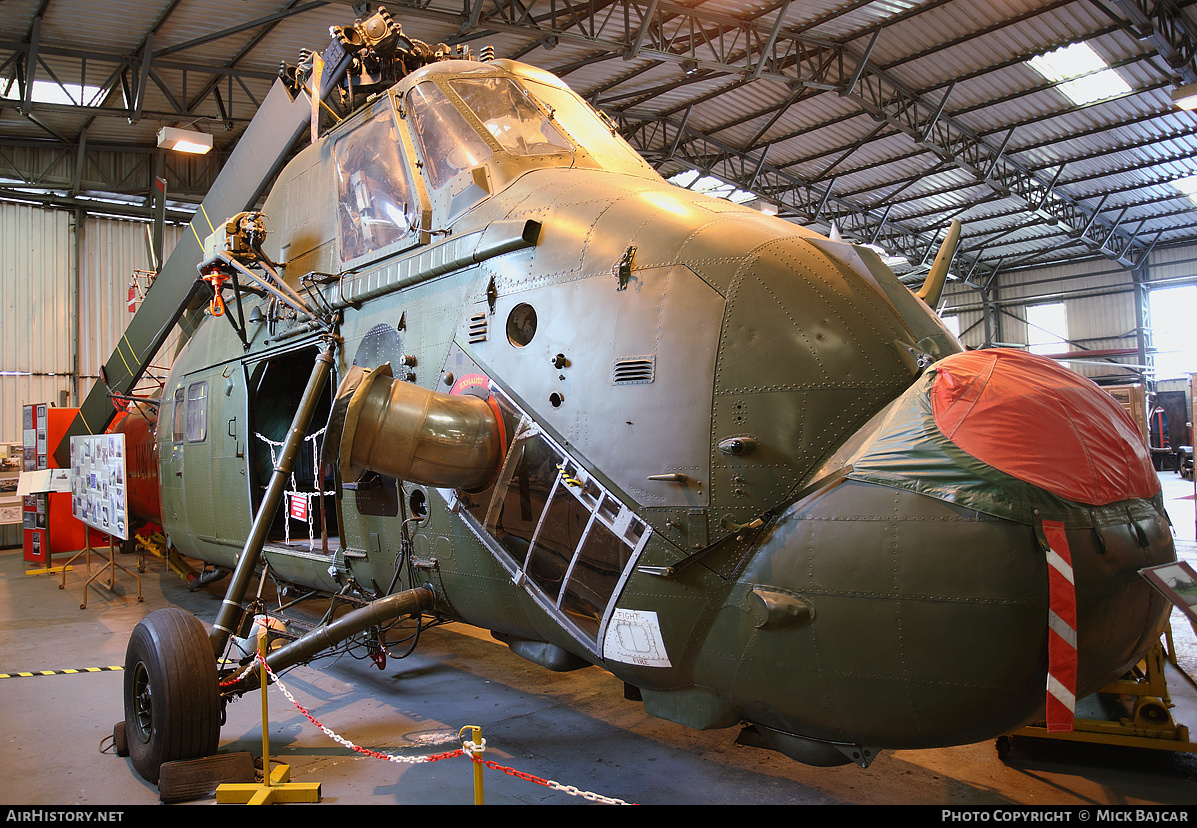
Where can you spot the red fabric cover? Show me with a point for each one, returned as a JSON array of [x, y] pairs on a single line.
[[1030, 418]]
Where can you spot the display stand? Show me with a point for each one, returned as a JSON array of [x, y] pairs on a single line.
[[98, 486], [37, 491], [110, 568]]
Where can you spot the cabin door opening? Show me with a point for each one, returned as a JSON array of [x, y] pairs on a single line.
[[308, 513]]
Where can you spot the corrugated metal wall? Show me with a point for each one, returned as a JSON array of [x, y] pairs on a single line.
[[65, 306], [37, 318], [53, 308], [1100, 302], [111, 252]]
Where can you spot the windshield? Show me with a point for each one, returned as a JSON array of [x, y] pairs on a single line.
[[510, 116], [376, 204], [447, 141], [585, 125]]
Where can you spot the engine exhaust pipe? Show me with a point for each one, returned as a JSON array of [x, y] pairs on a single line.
[[410, 433]]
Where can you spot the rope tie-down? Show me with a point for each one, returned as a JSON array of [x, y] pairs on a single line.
[[472, 747]]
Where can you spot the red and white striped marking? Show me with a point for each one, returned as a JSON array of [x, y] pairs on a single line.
[[1061, 635]]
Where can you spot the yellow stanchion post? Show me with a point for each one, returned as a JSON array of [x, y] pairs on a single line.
[[475, 745], [276, 785], [264, 682]]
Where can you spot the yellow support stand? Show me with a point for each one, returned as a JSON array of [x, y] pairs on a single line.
[[157, 546], [276, 785], [274, 789], [1146, 721]]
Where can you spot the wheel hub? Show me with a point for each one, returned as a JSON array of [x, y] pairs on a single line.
[[142, 702]]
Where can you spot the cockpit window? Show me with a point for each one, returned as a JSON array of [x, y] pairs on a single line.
[[377, 207], [447, 141], [584, 124], [510, 116]]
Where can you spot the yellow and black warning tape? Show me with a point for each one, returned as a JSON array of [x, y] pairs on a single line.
[[59, 672]]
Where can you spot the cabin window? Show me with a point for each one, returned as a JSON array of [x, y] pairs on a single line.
[[197, 411], [376, 204], [180, 418], [510, 116], [447, 142]]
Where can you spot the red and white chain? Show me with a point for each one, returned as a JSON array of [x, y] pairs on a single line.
[[468, 748]]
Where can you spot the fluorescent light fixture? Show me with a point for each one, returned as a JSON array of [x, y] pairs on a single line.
[[1080, 74], [1185, 97], [184, 140]]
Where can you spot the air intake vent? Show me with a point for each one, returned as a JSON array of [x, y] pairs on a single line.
[[478, 328], [635, 370]]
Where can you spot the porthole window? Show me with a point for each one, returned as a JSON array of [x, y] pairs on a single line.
[[521, 325], [418, 502]]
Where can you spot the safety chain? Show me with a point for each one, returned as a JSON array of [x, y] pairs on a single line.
[[468, 748], [249, 668], [274, 446]]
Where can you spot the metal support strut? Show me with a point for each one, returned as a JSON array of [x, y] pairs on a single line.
[[230, 609]]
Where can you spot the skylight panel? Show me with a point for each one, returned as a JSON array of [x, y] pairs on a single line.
[[1081, 74], [692, 180], [1188, 186], [52, 92]]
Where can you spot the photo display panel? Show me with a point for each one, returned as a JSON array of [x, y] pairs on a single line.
[[99, 483]]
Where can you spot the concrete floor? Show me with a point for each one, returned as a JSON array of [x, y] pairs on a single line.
[[574, 728]]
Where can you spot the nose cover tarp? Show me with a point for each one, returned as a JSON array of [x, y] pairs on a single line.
[[1026, 416], [1016, 436]]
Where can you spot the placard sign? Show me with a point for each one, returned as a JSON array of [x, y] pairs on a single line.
[[1178, 582], [99, 483]]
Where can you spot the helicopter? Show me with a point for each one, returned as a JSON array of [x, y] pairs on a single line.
[[499, 372]]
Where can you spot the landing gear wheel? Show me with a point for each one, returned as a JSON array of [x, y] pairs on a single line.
[[172, 704]]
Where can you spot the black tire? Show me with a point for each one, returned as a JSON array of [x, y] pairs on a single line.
[[172, 703]]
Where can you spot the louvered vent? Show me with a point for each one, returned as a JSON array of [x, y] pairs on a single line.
[[634, 370], [478, 328]]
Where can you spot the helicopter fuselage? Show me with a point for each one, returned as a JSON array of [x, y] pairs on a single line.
[[686, 399]]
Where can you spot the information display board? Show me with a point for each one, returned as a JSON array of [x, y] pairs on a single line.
[[99, 483]]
